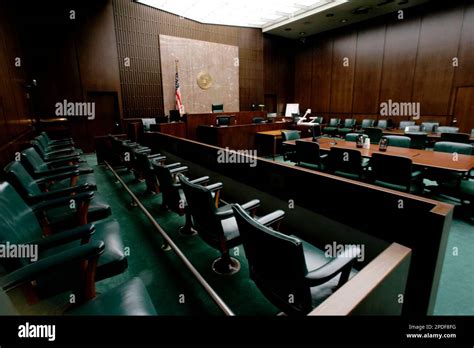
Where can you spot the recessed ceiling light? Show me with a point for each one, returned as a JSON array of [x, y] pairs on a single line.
[[287, 29], [330, 15], [343, 20]]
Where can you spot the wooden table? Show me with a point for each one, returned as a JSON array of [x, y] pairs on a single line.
[[274, 135], [432, 159]]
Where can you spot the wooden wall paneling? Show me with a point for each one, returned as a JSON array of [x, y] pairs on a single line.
[[464, 73], [321, 81], [342, 79], [368, 69], [303, 75], [464, 108], [438, 44]]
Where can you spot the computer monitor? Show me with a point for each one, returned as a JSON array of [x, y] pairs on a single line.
[[147, 122], [174, 115], [292, 109]]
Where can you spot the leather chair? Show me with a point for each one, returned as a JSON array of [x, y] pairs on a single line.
[[308, 155], [353, 136], [367, 123], [455, 137], [217, 225], [144, 168], [332, 127], [60, 217], [409, 129], [319, 119], [429, 126], [129, 298], [347, 163], [382, 124], [173, 197], [453, 147], [48, 146], [257, 120], [398, 140], [217, 108], [285, 265], [52, 155], [348, 126], [472, 132], [446, 129], [19, 224], [122, 151], [395, 172], [404, 124], [289, 152], [223, 121], [374, 133], [417, 139], [68, 141]]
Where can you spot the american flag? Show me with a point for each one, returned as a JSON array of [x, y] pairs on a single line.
[[179, 101]]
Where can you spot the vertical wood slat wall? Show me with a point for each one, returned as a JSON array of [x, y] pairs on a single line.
[[138, 28]]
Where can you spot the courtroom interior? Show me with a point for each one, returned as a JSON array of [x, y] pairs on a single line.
[[264, 158]]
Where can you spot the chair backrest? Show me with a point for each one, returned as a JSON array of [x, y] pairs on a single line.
[[217, 107], [394, 170], [33, 161], [168, 187], [143, 163], [429, 126], [345, 160], [201, 205], [257, 120], [452, 147], [445, 129], [353, 136], [367, 123], [334, 122], [349, 123], [398, 140], [223, 120], [6, 305], [382, 124], [418, 139], [42, 141], [290, 135], [455, 137], [374, 133], [307, 152], [404, 124], [147, 122], [279, 278], [320, 120], [472, 132], [21, 180], [412, 129]]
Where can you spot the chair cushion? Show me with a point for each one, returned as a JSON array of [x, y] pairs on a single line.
[[129, 298]]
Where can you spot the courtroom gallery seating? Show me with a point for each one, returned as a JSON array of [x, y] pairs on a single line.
[[286, 267]]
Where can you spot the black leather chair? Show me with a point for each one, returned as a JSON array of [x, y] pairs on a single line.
[[293, 274], [347, 163], [289, 151], [347, 127], [332, 127], [217, 225], [395, 172], [417, 139], [19, 224], [404, 124], [382, 124], [144, 166], [308, 155], [374, 133], [455, 137], [398, 140], [217, 107]]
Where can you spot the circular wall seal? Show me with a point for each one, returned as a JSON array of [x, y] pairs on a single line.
[[204, 80]]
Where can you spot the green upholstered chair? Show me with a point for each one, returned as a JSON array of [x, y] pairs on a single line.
[[415, 128], [50, 155], [353, 136], [347, 163], [418, 139], [447, 129], [429, 126], [308, 155], [59, 217], [285, 265], [319, 119], [455, 137], [453, 147], [348, 126], [57, 141], [472, 132], [332, 127], [368, 122], [395, 172], [404, 124], [144, 168], [289, 151], [19, 224], [48, 146], [398, 140], [374, 133], [382, 124], [217, 225]]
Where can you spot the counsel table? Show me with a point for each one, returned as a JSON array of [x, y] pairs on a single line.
[[432, 159], [431, 135], [273, 135]]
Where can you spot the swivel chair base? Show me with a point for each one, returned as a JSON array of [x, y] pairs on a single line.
[[226, 266], [187, 231]]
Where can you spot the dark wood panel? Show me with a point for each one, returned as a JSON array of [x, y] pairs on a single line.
[[464, 74], [342, 79], [464, 109], [303, 76], [368, 69], [438, 44], [321, 81]]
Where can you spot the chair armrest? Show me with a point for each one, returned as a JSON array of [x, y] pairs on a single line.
[[56, 177], [63, 162], [156, 155], [53, 262], [63, 201], [172, 165], [71, 157], [62, 152], [271, 218], [253, 204], [416, 174], [332, 268], [59, 170], [323, 156], [62, 192], [83, 232], [204, 180], [179, 170]]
